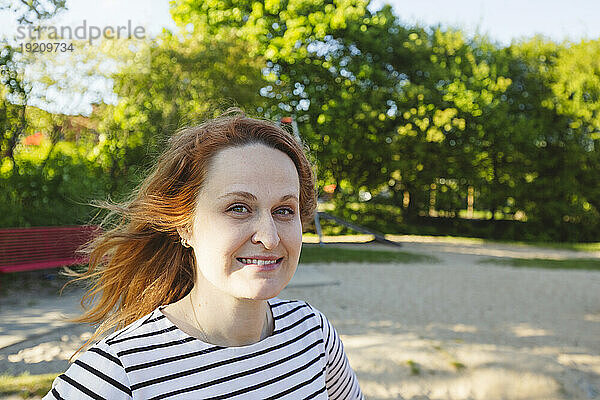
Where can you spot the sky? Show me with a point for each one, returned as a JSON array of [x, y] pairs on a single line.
[[506, 20]]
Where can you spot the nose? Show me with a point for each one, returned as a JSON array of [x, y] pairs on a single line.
[[266, 232]]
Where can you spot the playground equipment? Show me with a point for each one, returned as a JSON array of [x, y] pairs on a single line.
[[319, 215], [26, 249]]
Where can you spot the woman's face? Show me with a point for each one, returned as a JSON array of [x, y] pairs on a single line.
[[247, 210]]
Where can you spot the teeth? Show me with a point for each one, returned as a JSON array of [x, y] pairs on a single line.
[[257, 262]]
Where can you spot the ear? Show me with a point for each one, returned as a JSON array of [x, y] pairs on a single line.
[[184, 232]]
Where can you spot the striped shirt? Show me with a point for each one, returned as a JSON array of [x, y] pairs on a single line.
[[151, 358]]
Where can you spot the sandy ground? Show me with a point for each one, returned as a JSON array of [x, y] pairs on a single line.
[[454, 329]]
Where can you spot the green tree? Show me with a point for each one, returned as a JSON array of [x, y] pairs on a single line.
[[14, 90], [188, 79], [560, 187]]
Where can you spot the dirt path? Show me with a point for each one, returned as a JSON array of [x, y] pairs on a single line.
[[462, 330]]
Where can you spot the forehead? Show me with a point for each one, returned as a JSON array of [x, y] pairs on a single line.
[[253, 167]]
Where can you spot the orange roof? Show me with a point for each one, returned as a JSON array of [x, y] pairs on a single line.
[[33, 140]]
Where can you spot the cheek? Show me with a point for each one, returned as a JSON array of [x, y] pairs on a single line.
[[292, 236], [229, 240], [217, 238]]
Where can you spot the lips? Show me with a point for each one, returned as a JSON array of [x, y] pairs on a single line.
[[261, 265], [260, 261]]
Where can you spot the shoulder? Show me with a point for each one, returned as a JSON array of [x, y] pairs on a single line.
[[100, 370], [112, 347], [97, 372], [149, 325], [284, 308], [299, 310]]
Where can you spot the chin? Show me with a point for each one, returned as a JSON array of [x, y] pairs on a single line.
[[264, 293]]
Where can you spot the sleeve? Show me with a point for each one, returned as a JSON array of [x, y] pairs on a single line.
[[340, 379], [97, 374]]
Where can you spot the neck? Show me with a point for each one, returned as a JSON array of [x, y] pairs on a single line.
[[228, 321]]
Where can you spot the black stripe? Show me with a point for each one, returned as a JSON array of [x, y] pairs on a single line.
[[341, 359], [293, 325], [155, 346], [328, 334], [142, 335], [171, 359], [112, 335], [285, 302], [293, 389], [337, 343], [221, 363], [318, 392], [56, 395], [344, 386], [354, 393], [315, 394], [106, 355], [320, 320], [104, 377], [293, 310], [314, 313], [357, 393], [266, 383], [245, 390], [118, 333], [333, 372], [332, 383], [287, 328], [149, 321], [210, 350], [134, 325], [173, 343], [338, 366], [80, 387]]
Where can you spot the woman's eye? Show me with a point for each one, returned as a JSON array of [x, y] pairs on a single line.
[[238, 208], [286, 211], [241, 209]]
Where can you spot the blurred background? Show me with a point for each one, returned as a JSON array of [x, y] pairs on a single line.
[[458, 129], [468, 118]]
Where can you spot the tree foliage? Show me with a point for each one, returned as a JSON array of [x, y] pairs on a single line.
[[421, 129]]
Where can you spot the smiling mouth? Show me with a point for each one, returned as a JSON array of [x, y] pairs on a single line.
[[251, 261]]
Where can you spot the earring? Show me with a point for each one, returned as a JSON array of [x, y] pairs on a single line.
[[184, 243]]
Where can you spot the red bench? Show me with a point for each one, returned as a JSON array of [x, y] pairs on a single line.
[[25, 249]]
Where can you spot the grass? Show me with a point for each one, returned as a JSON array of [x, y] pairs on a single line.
[[594, 246], [458, 365], [414, 367], [26, 385], [571, 263], [329, 253], [555, 245]]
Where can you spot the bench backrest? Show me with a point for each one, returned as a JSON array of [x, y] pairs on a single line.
[[23, 249]]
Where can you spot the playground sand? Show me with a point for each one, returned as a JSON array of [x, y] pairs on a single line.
[[454, 329], [461, 330]]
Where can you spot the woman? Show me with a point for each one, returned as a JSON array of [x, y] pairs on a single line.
[[190, 274]]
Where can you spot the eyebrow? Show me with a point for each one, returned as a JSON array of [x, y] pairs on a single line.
[[252, 197]]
